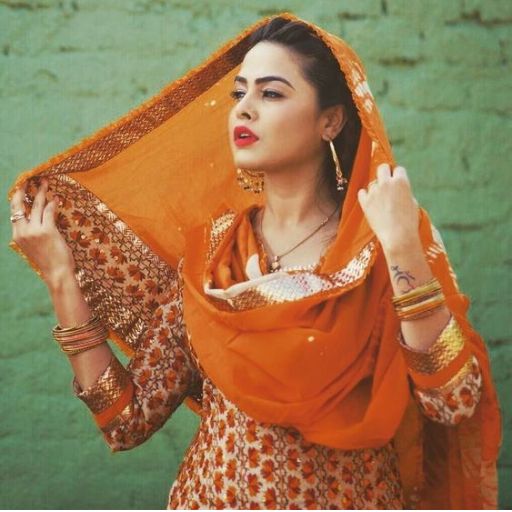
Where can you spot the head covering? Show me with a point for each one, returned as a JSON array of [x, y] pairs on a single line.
[[313, 350]]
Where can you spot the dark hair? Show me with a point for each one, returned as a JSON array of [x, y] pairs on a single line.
[[321, 69]]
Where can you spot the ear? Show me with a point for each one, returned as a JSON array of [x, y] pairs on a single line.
[[333, 121]]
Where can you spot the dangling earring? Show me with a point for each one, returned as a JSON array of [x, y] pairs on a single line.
[[250, 180], [341, 181]]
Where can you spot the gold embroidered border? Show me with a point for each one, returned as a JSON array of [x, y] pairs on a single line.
[[122, 280], [123, 416], [121, 134], [218, 229], [107, 389], [297, 285], [444, 350], [455, 381]]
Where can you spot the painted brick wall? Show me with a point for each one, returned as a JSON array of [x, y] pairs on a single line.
[[441, 73]]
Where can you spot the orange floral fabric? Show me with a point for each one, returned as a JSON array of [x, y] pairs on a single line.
[[235, 461], [150, 178]]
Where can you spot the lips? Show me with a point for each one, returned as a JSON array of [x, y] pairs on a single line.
[[243, 136]]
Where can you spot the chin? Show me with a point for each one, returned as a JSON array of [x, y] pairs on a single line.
[[248, 163]]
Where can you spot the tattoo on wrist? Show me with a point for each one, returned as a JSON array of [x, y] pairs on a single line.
[[403, 279]]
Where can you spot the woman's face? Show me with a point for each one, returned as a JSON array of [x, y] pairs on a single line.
[[279, 106]]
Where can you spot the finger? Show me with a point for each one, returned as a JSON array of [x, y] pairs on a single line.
[[383, 172], [49, 214], [400, 172], [18, 198], [362, 196], [371, 184], [36, 215], [17, 206]]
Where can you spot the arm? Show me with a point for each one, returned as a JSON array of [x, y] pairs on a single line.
[[447, 382], [127, 404], [432, 356], [408, 268], [130, 404], [445, 374], [71, 309]]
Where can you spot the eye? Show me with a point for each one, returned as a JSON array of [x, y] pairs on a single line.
[[272, 94], [238, 94]]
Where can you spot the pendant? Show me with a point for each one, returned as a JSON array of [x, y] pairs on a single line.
[[275, 265]]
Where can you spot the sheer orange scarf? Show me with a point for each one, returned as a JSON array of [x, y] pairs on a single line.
[[314, 351]]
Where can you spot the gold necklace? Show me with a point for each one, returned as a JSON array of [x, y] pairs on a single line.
[[276, 260]]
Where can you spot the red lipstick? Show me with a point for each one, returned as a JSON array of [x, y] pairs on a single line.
[[243, 136]]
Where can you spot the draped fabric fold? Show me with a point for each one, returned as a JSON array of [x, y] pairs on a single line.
[[315, 350]]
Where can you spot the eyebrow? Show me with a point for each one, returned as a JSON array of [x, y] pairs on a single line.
[[264, 79]]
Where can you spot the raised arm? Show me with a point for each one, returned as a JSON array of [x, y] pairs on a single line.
[[127, 404], [130, 404], [445, 374]]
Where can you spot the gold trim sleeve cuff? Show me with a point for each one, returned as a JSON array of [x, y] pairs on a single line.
[[445, 349], [107, 390]]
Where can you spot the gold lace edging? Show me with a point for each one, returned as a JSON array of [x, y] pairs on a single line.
[[106, 390], [445, 349]]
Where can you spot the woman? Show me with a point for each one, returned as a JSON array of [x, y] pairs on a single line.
[[319, 332]]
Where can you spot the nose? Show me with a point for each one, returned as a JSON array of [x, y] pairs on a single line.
[[244, 108]]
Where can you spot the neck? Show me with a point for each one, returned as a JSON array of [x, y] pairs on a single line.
[[293, 198]]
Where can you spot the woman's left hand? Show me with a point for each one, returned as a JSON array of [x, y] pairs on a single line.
[[390, 208]]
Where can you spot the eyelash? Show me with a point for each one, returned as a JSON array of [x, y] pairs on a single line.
[[275, 95]]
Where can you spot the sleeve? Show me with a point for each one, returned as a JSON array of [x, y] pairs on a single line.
[[130, 404], [447, 381]]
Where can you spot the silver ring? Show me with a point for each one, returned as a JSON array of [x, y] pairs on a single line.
[[16, 216]]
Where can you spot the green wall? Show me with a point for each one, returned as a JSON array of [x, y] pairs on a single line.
[[441, 73]]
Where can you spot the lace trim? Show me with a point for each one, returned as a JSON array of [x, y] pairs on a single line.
[[106, 390], [445, 349]]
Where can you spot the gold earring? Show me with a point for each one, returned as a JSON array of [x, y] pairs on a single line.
[[250, 180], [341, 181]]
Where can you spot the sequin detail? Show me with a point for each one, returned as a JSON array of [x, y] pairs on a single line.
[[123, 416], [107, 389], [444, 350], [218, 229], [295, 285]]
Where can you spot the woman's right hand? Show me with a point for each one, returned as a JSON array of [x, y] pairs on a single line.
[[38, 237]]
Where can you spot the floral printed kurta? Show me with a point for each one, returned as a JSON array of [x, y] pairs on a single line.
[[237, 462]]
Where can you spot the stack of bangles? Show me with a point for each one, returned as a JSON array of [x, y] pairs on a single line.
[[73, 340], [419, 302]]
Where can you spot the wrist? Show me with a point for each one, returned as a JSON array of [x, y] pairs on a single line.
[[60, 279], [402, 244]]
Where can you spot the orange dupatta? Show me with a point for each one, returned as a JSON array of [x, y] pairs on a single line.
[[134, 190]]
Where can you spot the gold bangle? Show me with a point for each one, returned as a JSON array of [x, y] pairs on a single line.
[[85, 335], [92, 319], [421, 314], [65, 333], [417, 300], [425, 305], [83, 349], [83, 343], [430, 287], [77, 339]]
